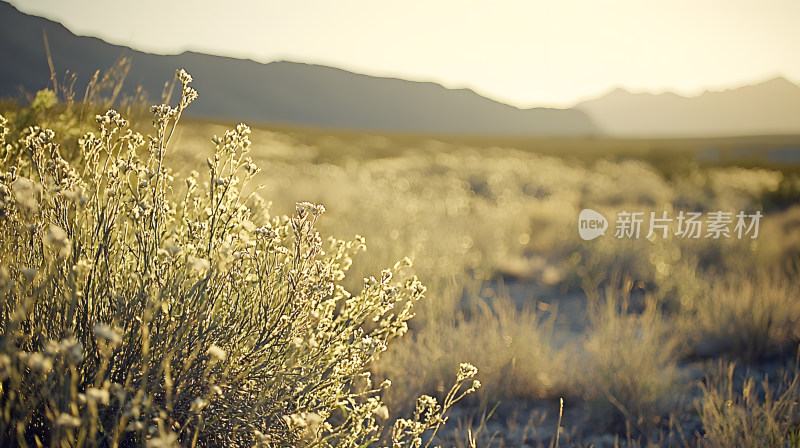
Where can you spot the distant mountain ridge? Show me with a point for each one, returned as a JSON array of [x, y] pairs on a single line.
[[319, 96], [277, 92], [768, 108]]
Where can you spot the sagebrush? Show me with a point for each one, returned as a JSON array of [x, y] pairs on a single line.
[[140, 311]]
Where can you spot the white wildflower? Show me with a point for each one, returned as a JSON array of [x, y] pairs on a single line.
[[466, 371], [183, 76], [68, 420], [38, 362], [56, 237], [199, 265], [382, 412], [97, 395], [107, 333], [217, 353]]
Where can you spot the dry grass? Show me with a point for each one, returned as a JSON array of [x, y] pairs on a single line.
[[515, 346], [629, 370], [469, 211], [746, 315], [740, 411]]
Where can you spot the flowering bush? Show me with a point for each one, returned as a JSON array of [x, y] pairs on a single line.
[[140, 311]]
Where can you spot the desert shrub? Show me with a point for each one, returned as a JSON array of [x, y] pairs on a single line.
[[741, 412], [133, 316], [500, 340], [748, 315], [738, 188], [69, 109], [618, 182], [779, 242], [630, 373]]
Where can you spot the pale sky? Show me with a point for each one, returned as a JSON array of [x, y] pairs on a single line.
[[522, 52]]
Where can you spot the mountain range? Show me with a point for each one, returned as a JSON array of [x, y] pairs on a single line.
[[301, 94], [768, 108], [278, 92]]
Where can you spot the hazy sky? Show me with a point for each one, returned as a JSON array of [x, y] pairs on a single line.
[[523, 52]]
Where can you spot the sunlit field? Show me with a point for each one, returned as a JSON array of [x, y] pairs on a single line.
[[183, 290], [630, 332]]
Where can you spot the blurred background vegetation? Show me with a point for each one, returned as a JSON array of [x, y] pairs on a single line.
[[623, 329]]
